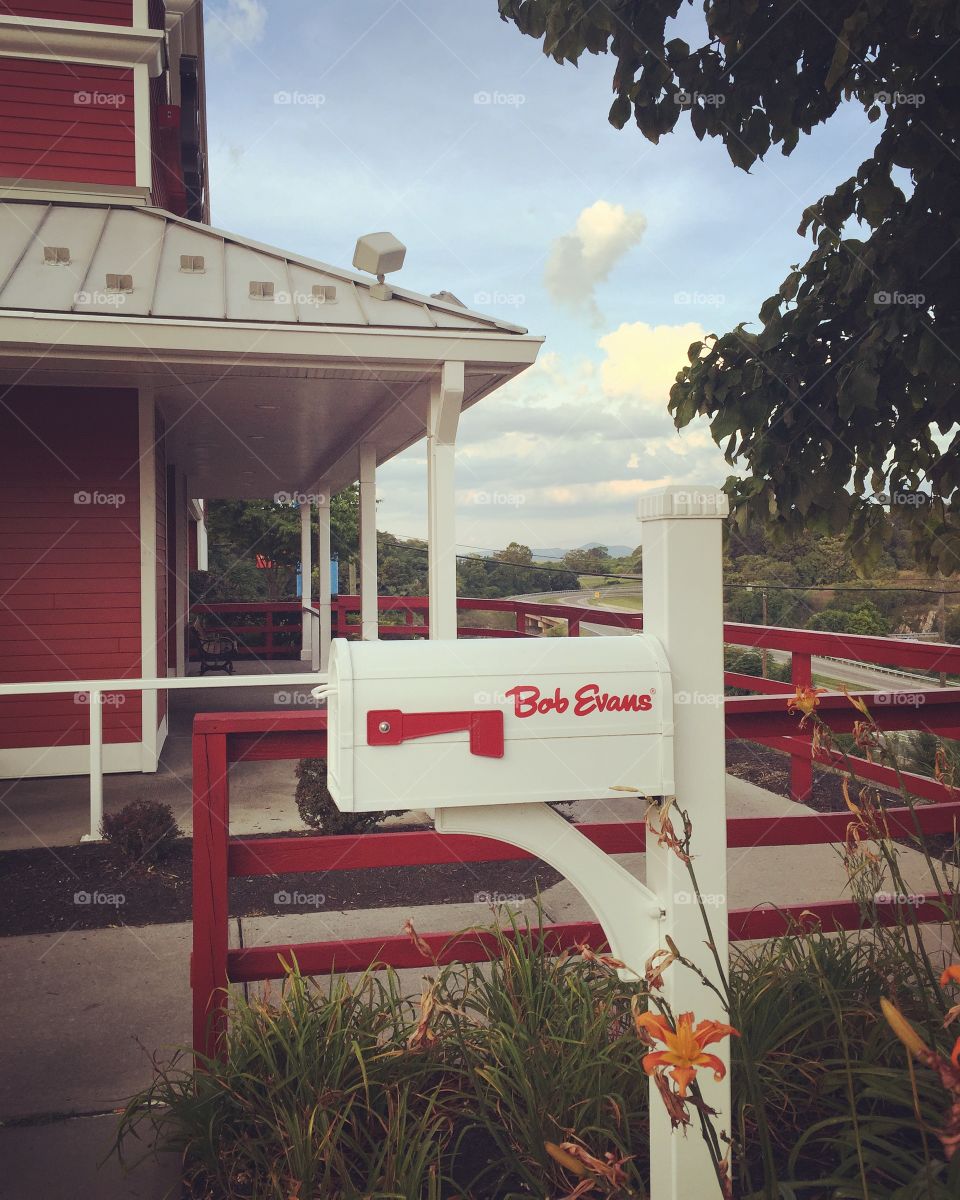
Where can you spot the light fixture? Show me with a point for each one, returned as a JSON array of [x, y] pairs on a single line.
[[379, 253]]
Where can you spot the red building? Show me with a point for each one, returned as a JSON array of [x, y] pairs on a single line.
[[147, 359]]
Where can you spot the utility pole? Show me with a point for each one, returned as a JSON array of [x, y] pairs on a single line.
[[942, 625], [763, 652]]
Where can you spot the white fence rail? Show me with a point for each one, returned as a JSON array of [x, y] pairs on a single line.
[[94, 690]]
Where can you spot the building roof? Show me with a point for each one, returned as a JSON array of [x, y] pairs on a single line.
[[131, 261]]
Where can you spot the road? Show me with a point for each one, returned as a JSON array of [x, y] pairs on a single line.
[[850, 673]]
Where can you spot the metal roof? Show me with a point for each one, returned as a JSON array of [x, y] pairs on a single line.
[[131, 261]]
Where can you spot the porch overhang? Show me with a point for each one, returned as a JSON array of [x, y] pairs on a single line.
[[253, 407]]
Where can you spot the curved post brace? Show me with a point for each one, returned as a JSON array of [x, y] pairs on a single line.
[[629, 912]]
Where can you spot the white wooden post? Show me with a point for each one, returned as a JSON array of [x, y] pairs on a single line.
[[683, 607], [321, 645], [369, 612], [95, 700], [446, 399], [306, 579]]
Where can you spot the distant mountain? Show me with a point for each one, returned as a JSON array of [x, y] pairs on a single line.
[[560, 551]]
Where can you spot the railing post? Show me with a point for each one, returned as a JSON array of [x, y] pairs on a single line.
[[208, 962], [521, 619], [801, 763], [95, 699], [683, 608], [573, 626]]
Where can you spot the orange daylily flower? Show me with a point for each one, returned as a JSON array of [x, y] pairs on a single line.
[[684, 1052], [805, 700], [950, 975]]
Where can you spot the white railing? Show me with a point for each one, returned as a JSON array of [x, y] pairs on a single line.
[[94, 690]]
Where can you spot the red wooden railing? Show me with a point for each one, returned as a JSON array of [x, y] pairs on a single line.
[[278, 627], [221, 740]]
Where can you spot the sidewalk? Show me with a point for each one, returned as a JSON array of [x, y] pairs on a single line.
[[84, 1010]]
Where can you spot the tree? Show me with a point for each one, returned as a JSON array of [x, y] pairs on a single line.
[[587, 561], [241, 532], [515, 553], [851, 385], [865, 618]]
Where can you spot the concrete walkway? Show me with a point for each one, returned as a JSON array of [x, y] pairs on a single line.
[[84, 1010]]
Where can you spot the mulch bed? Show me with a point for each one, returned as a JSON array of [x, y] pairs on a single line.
[[90, 887]]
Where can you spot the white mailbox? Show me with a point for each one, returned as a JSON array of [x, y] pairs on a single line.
[[497, 721]]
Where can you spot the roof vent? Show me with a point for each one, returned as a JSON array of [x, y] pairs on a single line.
[[192, 264], [261, 289], [58, 255], [119, 283], [324, 293], [447, 298]]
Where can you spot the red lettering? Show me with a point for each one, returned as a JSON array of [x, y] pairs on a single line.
[[524, 700], [528, 701]]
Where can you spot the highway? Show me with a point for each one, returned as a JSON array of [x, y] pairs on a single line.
[[853, 674]]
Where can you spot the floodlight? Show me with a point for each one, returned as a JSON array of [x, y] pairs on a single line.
[[379, 253]]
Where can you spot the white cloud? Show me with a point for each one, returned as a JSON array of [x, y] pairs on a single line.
[[234, 24], [642, 360], [580, 260]]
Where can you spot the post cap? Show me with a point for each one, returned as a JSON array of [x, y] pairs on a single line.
[[683, 500]]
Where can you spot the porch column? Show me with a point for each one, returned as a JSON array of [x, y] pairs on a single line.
[[683, 608], [446, 399], [369, 612], [149, 741], [321, 647], [306, 578], [182, 579]]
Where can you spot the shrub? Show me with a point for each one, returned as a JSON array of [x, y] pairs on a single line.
[[317, 808], [143, 831]]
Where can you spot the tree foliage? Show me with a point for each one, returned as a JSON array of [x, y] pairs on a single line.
[[850, 386]]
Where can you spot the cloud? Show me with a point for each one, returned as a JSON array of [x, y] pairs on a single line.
[[580, 260], [642, 360], [234, 24]]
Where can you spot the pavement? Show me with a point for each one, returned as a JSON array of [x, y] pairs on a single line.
[[85, 1010]]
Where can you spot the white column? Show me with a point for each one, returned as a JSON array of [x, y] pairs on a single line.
[[306, 578], [149, 748], [369, 613], [446, 399], [203, 550], [182, 587], [683, 607], [321, 647]]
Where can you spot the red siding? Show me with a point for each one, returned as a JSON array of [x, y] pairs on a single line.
[[161, 526], [94, 12], [69, 558], [66, 121]]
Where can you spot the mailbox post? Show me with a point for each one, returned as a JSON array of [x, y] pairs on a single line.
[[683, 609], [485, 731]]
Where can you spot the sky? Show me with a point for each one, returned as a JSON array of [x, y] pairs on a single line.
[[498, 170]]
